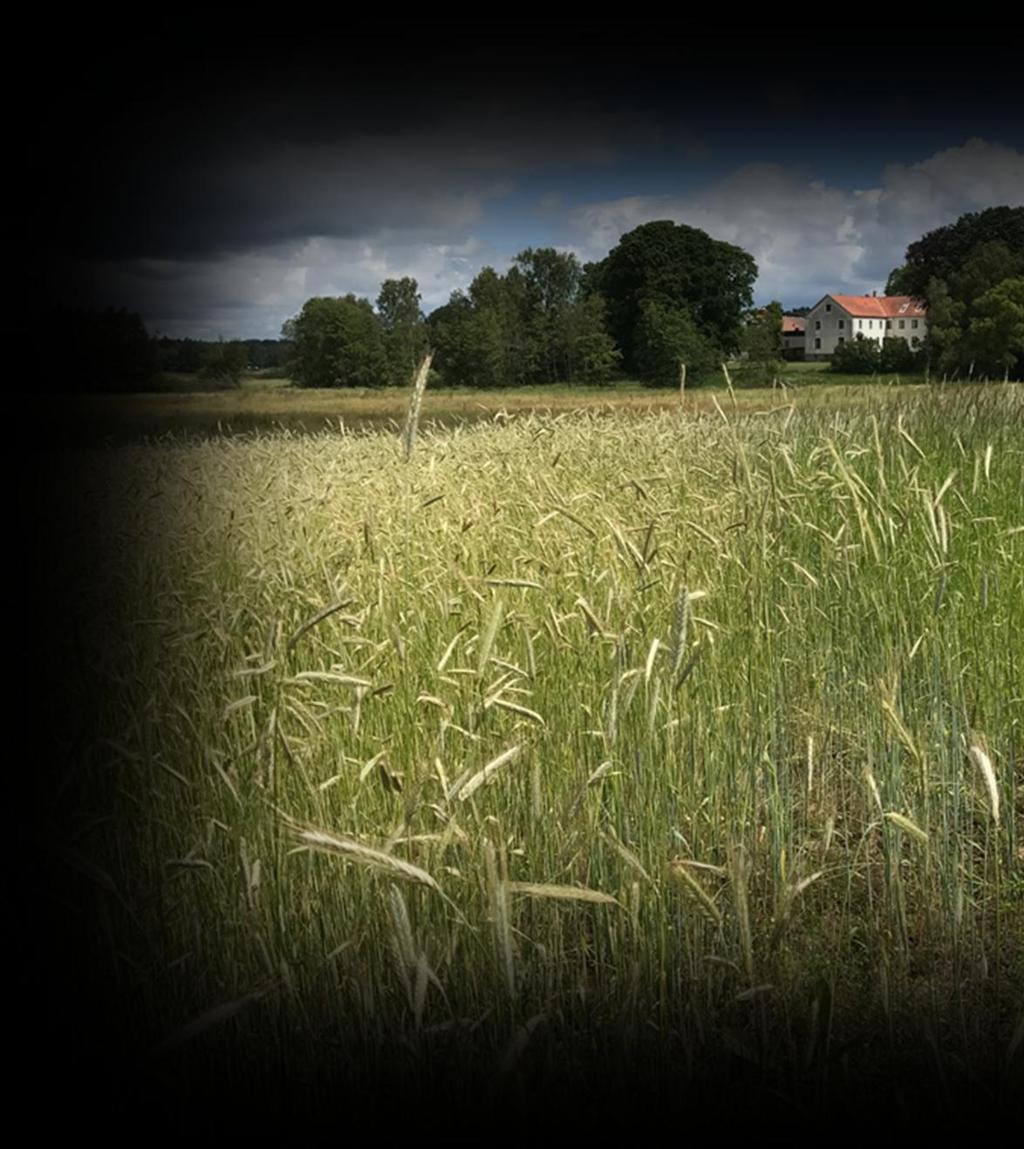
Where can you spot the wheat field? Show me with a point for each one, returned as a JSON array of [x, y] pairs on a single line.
[[686, 746]]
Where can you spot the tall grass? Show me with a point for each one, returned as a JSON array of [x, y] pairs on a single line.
[[702, 731]]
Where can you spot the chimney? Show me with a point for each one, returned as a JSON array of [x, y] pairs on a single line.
[[874, 294]]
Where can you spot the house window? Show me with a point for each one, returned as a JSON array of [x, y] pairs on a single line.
[[871, 325], [842, 324], [888, 324], [817, 345], [902, 324], [913, 323], [841, 339], [828, 306], [817, 325]]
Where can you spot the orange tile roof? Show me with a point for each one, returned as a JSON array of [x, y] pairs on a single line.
[[793, 325], [882, 306]]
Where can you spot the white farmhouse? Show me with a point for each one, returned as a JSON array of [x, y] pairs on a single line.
[[839, 318]]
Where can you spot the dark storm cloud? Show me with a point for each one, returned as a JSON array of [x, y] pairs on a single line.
[[157, 156], [214, 179], [193, 141]]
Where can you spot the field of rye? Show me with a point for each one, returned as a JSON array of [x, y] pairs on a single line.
[[689, 740]]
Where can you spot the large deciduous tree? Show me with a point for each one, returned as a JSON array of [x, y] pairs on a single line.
[[944, 252], [995, 336], [224, 363], [675, 267], [762, 342], [337, 342], [966, 273], [405, 332], [666, 336], [106, 350], [531, 325]]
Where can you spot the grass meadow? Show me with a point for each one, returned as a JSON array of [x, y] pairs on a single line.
[[672, 761], [263, 404]]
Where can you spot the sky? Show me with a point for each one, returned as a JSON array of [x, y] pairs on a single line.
[[213, 178]]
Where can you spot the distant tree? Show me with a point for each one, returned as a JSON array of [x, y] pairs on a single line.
[[107, 350], [265, 354], [337, 342], [224, 363], [552, 277], [590, 352], [762, 342], [857, 356], [955, 268], [995, 337], [862, 356], [405, 332], [897, 355], [666, 336], [180, 355], [942, 253], [483, 337], [986, 267], [567, 330], [945, 324], [449, 328], [504, 347], [899, 281], [678, 268]]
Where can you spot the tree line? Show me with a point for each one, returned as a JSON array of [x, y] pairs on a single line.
[[110, 350], [665, 295], [236, 356]]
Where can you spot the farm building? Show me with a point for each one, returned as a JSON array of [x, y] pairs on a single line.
[[838, 318], [794, 336]]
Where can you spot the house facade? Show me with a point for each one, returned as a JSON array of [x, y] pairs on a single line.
[[793, 336], [837, 319]]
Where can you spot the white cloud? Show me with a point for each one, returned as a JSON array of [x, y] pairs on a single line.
[[252, 294], [809, 238]]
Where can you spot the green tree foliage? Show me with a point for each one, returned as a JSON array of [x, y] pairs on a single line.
[[954, 269], [862, 356], [450, 333], [188, 356], [405, 332], [945, 323], [337, 342], [224, 363], [590, 353], [856, 357], [101, 350], [531, 325], [482, 337], [180, 355], [995, 336], [503, 347], [268, 355], [676, 267], [666, 336], [762, 342], [568, 331], [942, 253]]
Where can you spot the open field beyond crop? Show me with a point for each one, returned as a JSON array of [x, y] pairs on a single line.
[[275, 405], [671, 757]]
